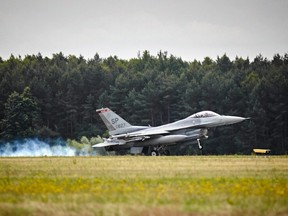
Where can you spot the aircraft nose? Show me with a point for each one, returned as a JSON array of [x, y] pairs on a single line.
[[232, 119]]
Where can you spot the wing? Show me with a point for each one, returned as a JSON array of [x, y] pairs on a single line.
[[122, 139], [143, 134]]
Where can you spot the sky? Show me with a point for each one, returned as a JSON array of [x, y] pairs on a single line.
[[189, 29]]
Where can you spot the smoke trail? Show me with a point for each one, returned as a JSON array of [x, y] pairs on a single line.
[[36, 147]]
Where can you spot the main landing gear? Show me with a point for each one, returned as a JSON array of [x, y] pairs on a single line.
[[159, 150]]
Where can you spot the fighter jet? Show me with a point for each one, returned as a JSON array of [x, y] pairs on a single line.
[[154, 140]]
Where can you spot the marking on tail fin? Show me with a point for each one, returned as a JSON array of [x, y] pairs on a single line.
[[112, 121]]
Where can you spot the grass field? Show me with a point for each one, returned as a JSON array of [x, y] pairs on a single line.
[[139, 185]]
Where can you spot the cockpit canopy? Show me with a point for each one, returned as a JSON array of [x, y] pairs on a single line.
[[204, 114]]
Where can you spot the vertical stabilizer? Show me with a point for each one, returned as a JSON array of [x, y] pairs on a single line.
[[112, 121]]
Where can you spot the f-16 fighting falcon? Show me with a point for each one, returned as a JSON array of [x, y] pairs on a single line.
[[154, 140]]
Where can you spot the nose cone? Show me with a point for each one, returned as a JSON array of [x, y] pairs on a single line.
[[227, 120]]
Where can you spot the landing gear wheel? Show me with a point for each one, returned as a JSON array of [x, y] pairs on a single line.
[[154, 153]]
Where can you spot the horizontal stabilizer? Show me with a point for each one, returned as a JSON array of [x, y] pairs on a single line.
[[99, 145], [109, 143]]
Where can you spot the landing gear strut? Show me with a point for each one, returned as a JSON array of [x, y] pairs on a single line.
[[199, 144]]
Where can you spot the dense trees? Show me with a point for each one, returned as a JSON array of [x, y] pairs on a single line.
[[20, 115], [66, 90]]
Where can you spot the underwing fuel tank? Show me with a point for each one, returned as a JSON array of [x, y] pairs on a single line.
[[162, 140]]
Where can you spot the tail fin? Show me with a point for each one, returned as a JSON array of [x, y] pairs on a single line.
[[112, 121]]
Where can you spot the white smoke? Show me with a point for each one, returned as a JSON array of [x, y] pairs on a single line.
[[36, 147]]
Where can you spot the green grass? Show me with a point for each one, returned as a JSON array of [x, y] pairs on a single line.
[[138, 185]]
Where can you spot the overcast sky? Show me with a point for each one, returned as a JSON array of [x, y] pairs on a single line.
[[190, 29]]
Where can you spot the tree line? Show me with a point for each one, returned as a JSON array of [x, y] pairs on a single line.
[[58, 96]]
